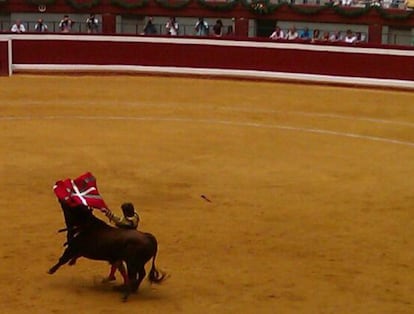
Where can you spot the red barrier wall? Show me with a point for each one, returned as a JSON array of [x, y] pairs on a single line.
[[4, 57], [328, 60]]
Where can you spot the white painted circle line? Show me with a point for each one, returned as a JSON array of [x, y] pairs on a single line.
[[249, 110], [322, 115], [222, 122]]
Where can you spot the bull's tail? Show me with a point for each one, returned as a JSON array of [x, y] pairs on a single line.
[[155, 275]]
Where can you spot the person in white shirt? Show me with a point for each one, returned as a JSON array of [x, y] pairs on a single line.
[[350, 37], [65, 25], [292, 33], [201, 27], [172, 27], [92, 23], [18, 27], [40, 26], [335, 36], [277, 34]]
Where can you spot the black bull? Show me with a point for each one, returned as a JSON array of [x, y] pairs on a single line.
[[92, 238]]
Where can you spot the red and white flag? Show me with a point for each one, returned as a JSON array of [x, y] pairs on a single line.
[[80, 191]]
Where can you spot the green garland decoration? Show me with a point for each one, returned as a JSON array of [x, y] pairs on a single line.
[[401, 15], [351, 12], [218, 6], [130, 4], [174, 5], [41, 2], [83, 4]]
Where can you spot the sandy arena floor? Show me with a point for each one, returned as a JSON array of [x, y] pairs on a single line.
[[311, 189]]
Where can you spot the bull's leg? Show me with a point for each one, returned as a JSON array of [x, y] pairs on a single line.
[[67, 255], [141, 276], [132, 279], [73, 260]]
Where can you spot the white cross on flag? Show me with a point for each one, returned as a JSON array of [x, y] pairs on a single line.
[[80, 191]]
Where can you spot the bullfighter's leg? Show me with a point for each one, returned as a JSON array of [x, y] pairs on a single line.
[[118, 265], [111, 276], [124, 274]]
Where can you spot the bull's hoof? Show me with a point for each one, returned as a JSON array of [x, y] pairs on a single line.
[[51, 271]]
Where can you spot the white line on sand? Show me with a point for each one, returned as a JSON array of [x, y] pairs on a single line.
[[222, 122]]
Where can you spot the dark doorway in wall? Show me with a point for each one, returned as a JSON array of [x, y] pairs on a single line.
[[265, 27]]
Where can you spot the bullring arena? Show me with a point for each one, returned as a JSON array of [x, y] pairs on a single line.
[[310, 189]]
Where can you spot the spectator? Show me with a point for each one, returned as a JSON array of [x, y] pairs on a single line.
[[172, 27], [277, 34], [325, 36], [350, 38], [316, 35], [305, 35], [149, 28], [395, 4], [360, 37], [335, 36], [201, 27], [18, 27], [65, 25], [92, 23], [292, 33], [386, 4], [40, 26], [218, 29]]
